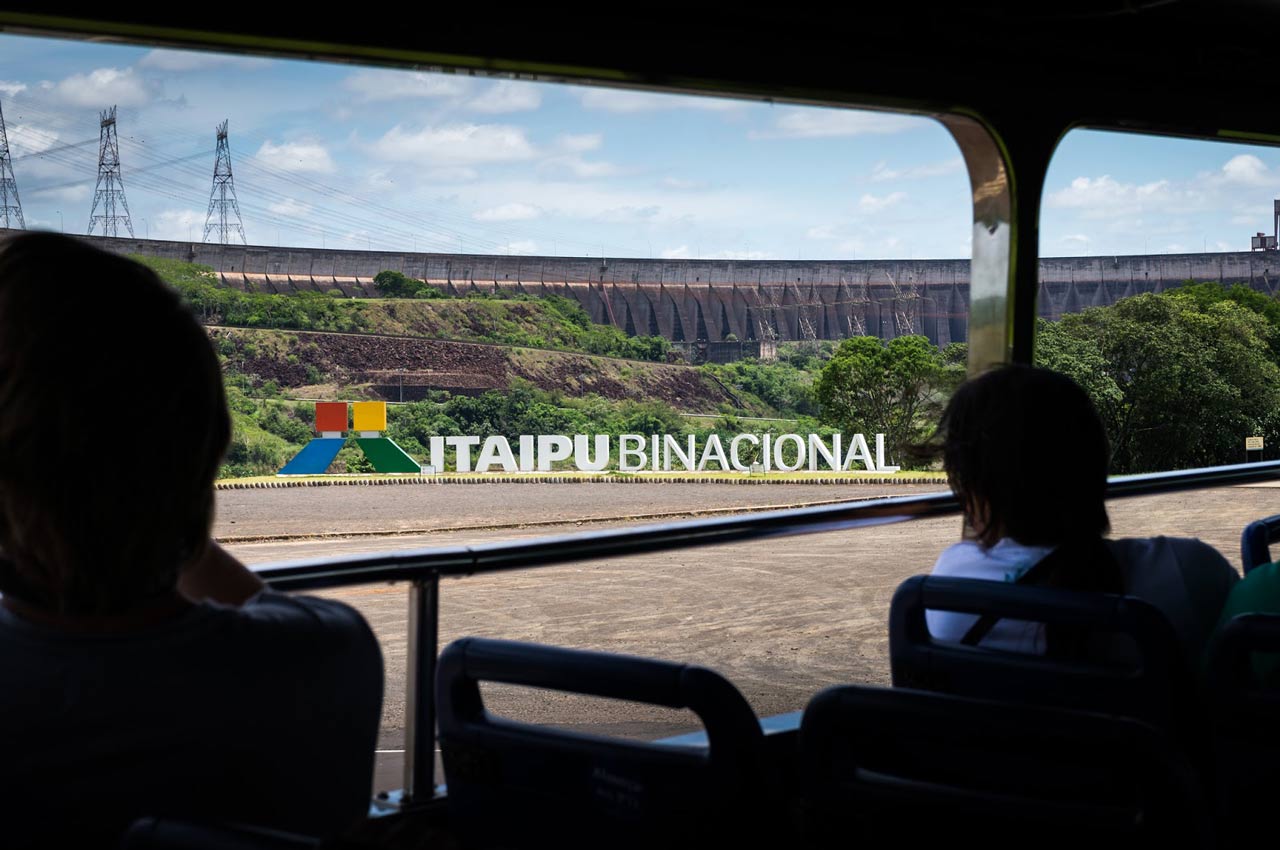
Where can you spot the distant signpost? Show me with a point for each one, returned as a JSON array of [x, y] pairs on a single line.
[[1252, 444]]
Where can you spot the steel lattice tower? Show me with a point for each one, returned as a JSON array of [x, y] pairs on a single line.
[[222, 199], [110, 190], [10, 205]]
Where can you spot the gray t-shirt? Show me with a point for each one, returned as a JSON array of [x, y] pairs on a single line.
[[266, 714]]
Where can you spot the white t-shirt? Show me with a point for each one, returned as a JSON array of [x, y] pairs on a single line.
[[267, 714], [1187, 580]]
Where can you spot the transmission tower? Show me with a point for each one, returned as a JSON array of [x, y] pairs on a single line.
[[10, 206], [110, 188], [222, 199]]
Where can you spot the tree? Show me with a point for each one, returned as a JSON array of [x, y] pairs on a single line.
[[392, 284], [1179, 380], [897, 389]]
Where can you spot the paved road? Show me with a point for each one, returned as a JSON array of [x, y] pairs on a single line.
[[780, 619]]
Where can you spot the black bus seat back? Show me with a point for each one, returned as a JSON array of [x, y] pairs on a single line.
[[1243, 710], [537, 775], [1155, 685], [910, 766], [1256, 540]]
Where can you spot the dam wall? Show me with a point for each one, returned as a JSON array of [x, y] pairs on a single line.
[[688, 300]]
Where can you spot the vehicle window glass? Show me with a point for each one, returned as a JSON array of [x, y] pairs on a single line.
[[1158, 294]]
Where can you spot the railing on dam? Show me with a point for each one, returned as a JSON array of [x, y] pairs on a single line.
[[423, 569]]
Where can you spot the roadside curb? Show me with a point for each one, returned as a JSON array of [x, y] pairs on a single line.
[[565, 479]]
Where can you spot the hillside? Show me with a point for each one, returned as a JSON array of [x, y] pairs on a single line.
[[320, 364], [547, 322]]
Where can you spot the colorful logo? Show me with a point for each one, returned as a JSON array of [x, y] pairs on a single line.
[[369, 421]]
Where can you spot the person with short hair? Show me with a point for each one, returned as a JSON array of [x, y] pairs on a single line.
[[143, 670], [1027, 456]]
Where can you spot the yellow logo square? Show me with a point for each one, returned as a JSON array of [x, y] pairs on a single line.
[[369, 416]]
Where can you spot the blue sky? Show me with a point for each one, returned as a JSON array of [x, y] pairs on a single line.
[[344, 156]]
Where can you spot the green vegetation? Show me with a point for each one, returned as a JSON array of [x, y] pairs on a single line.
[[770, 389], [268, 432], [897, 389], [416, 309], [1180, 378], [395, 285], [220, 305]]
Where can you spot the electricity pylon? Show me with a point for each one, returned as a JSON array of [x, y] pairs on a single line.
[[10, 205], [109, 192], [222, 198]]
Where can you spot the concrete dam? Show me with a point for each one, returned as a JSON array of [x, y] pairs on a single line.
[[688, 300]]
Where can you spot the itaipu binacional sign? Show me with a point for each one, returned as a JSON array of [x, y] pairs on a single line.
[[588, 453]]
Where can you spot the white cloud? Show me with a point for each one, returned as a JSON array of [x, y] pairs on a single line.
[[457, 144], [810, 123], [105, 87], [62, 194], [1105, 197], [681, 253], [821, 231], [739, 255], [175, 224], [871, 203], [27, 139], [296, 156], [630, 214], [883, 172], [520, 246], [290, 207], [179, 61], [580, 142], [889, 246], [1077, 239], [683, 185], [625, 101], [403, 85], [507, 96], [580, 168], [509, 212], [456, 174], [9, 89], [1246, 169]]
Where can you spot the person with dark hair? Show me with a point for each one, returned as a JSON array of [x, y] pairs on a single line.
[[1027, 455], [143, 670]]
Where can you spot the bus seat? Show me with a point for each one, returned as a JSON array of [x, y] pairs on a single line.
[[1256, 540], [886, 767], [517, 781], [174, 834], [1243, 710], [1152, 682]]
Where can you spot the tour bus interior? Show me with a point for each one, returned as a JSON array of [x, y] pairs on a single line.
[[511, 736]]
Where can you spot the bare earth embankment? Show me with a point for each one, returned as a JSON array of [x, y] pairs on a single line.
[[300, 359]]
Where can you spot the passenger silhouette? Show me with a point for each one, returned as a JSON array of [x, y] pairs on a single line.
[[143, 670], [1027, 455]]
